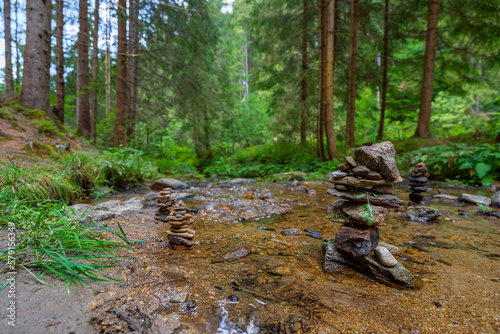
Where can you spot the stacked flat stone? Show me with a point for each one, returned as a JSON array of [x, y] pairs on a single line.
[[418, 184], [177, 216], [368, 177]]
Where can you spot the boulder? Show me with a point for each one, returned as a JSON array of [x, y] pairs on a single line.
[[422, 214], [357, 241], [380, 157], [381, 200], [495, 200], [353, 181], [351, 211], [475, 199], [366, 173], [167, 183], [397, 275]]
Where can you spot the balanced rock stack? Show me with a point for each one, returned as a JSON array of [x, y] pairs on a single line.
[[365, 184], [418, 184], [176, 214]]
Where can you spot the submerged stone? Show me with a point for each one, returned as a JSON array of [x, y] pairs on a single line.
[[290, 231], [397, 275], [422, 214]]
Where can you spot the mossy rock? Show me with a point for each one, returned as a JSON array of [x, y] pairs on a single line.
[[39, 149]]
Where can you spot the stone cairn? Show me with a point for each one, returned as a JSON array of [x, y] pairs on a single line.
[[176, 214], [365, 185], [418, 184]]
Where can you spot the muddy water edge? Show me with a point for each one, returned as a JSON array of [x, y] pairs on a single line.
[[244, 276]]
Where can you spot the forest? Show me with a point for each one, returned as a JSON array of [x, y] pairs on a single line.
[[249, 166], [252, 88]]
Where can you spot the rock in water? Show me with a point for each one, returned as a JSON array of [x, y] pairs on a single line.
[[422, 214], [495, 199], [379, 157], [180, 241], [290, 231], [385, 257], [167, 183], [357, 241], [382, 200], [369, 265], [475, 199]]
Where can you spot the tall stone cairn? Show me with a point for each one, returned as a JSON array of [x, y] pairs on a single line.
[[177, 216], [418, 184], [364, 184]]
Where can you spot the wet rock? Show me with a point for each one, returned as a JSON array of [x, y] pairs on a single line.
[[391, 248], [168, 183], [233, 256], [266, 228], [191, 305], [463, 214], [495, 200], [357, 241], [339, 174], [182, 196], [369, 265], [422, 214], [418, 181], [379, 157], [490, 213], [338, 204], [445, 197], [240, 181], [351, 210], [208, 206], [233, 299], [308, 230], [366, 173], [353, 181], [381, 200], [341, 187], [385, 257], [351, 162], [416, 197], [180, 241], [280, 271], [290, 231], [475, 199], [315, 236], [389, 190], [174, 297], [344, 167], [105, 210]]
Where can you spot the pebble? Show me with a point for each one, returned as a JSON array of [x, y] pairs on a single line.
[[313, 231], [265, 228], [385, 257], [290, 231]]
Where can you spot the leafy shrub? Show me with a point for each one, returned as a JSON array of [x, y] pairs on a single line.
[[82, 168], [471, 164]]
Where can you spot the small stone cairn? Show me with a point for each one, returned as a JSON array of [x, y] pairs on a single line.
[[175, 213], [418, 184], [365, 185]]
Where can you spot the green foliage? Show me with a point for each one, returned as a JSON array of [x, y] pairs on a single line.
[[468, 163], [82, 168], [49, 242], [46, 127]]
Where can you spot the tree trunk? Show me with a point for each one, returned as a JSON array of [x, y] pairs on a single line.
[[207, 137], [59, 111], [121, 76], [424, 117], [35, 92], [108, 67], [95, 71], [380, 133], [16, 41], [321, 81], [330, 67], [9, 80], [351, 85], [303, 93], [132, 67], [83, 107]]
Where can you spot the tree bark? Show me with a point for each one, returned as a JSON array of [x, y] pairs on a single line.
[[9, 80], [321, 80], [60, 94], [120, 137], [95, 71], [207, 137], [303, 93], [16, 41], [351, 85], [132, 67], [380, 133], [35, 92], [424, 116], [330, 67], [83, 107]]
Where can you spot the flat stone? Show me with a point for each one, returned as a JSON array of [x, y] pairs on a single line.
[[382, 200], [189, 235], [338, 204], [174, 297], [163, 218], [380, 157], [179, 230], [351, 162], [389, 190], [339, 174], [341, 187], [416, 197], [233, 256], [421, 164], [427, 174], [366, 173], [422, 214], [393, 249], [475, 199], [495, 199], [418, 189], [180, 241], [421, 180], [240, 180], [420, 169], [182, 196], [357, 241], [168, 183], [385, 257], [445, 197], [394, 276], [344, 167], [280, 271], [290, 231], [353, 181], [351, 210]]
